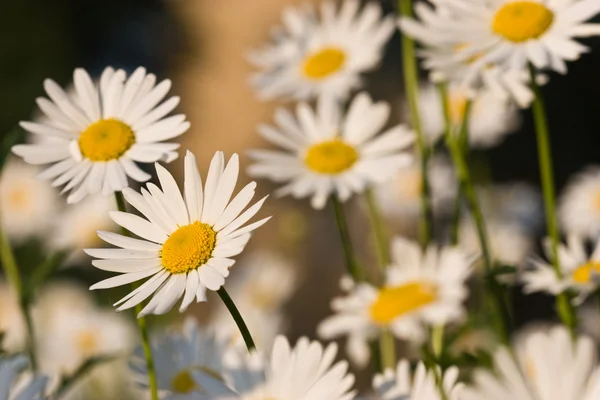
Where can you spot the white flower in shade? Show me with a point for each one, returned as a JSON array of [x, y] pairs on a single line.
[[491, 118], [28, 205], [179, 357], [420, 290], [579, 207], [399, 385], [329, 152], [581, 272], [304, 372], [548, 365], [329, 55], [186, 241], [12, 323], [11, 388], [100, 131]]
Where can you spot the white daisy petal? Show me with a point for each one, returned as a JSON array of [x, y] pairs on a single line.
[[124, 279], [138, 226]]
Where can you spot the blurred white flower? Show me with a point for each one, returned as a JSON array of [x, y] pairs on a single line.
[[579, 205], [547, 365], [328, 151], [310, 57], [12, 323], [514, 202], [12, 388], [421, 289], [28, 206]]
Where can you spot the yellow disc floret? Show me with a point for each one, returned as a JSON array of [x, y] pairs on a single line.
[[183, 382], [323, 63], [393, 302], [520, 21], [188, 248], [584, 273], [106, 140], [331, 157]]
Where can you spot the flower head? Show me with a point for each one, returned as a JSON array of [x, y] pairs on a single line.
[[579, 209], [10, 369]]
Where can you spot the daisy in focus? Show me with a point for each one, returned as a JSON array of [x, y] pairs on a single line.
[[327, 152], [581, 272], [186, 240], [96, 135], [579, 207], [310, 57], [307, 371], [399, 385], [11, 388], [421, 290], [549, 366]]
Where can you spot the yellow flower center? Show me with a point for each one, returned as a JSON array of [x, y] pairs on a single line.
[[105, 140], [323, 63], [18, 198], [87, 342], [331, 157], [183, 382], [409, 185], [188, 248], [457, 105], [392, 302], [520, 21], [584, 273]]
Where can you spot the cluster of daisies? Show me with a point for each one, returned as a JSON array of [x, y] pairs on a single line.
[[161, 246]]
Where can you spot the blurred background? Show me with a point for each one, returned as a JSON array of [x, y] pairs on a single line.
[[201, 46]]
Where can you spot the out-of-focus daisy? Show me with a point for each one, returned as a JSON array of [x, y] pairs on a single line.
[[579, 207], [304, 372], [490, 119], [399, 385], [329, 152], [548, 365], [581, 272], [178, 358], [186, 241], [420, 290], [515, 202], [12, 324], [11, 388], [101, 130], [327, 56], [27, 206]]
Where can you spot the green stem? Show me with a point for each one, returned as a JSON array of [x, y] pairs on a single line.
[[411, 84], [437, 341], [237, 317], [563, 305], [342, 224], [141, 322], [387, 350], [381, 237]]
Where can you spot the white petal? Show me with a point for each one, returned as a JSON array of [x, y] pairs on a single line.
[[138, 226], [212, 181], [143, 291], [128, 266], [193, 187], [191, 287], [127, 242], [173, 198], [223, 192], [124, 279]]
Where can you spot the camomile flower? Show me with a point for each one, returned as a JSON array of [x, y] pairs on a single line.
[[331, 152], [420, 290], [329, 55], [491, 118], [306, 371], [27, 206], [399, 385], [187, 241], [548, 365], [581, 272], [579, 206], [179, 357], [12, 388], [98, 133]]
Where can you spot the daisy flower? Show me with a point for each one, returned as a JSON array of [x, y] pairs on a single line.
[[13, 389], [186, 240], [548, 365], [310, 57], [581, 272], [28, 205], [179, 357], [420, 290], [491, 118], [579, 206], [98, 133], [399, 385], [328, 152], [304, 372]]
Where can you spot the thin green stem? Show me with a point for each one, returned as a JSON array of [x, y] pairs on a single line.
[[381, 238], [387, 350], [563, 305], [340, 218], [437, 341], [237, 317], [141, 322], [411, 85]]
